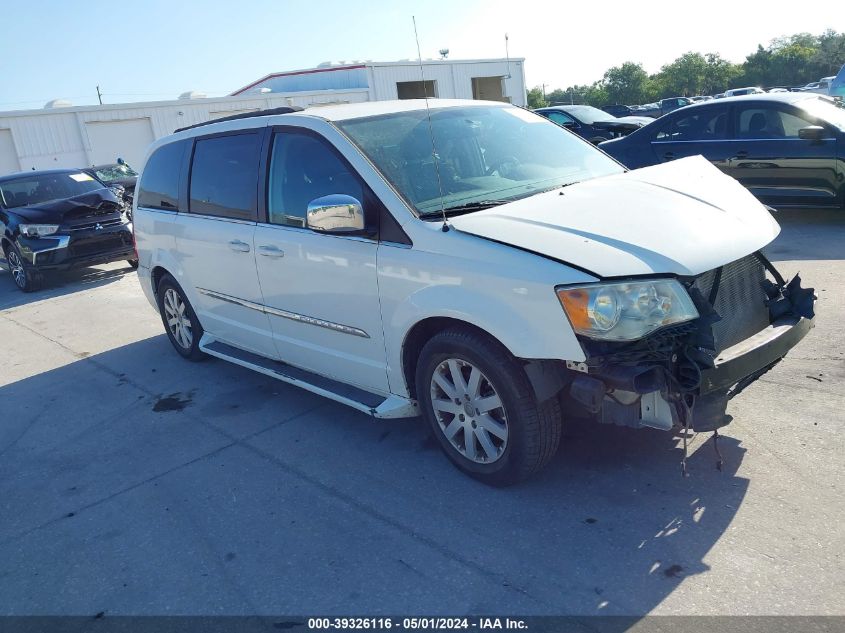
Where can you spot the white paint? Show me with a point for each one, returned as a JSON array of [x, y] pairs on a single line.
[[684, 217], [8, 154], [127, 139]]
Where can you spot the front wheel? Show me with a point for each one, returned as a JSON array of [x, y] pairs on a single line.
[[180, 321], [25, 277], [481, 407]]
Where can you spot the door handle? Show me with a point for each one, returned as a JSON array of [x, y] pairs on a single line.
[[237, 245], [270, 251], [669, 155]]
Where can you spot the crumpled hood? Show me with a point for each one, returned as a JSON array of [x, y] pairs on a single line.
[[100, 202], [684, 217]]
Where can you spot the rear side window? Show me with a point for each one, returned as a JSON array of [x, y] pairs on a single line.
[[224, 176], [159, 185], [700, 124]]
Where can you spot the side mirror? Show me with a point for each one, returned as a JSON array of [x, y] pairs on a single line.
[[812, 133], [569, 124], [335, 213]]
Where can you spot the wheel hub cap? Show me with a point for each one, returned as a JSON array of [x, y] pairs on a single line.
[[177, 319], [469, 411], [17, 269]]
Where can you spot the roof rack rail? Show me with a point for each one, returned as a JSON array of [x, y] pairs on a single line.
[[244, 115]]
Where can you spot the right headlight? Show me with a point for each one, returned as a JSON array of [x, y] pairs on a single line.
[[626, 311], [38, 230]]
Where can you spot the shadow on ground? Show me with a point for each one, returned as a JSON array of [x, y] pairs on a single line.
[[135, 482], [56, 284]]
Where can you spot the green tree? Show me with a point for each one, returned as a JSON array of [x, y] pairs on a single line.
[[625, 84], [684, 76], [536, 99], [719, 74]]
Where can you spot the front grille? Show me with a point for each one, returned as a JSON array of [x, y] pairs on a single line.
[[97, 245], [87, 226], [740, 300]]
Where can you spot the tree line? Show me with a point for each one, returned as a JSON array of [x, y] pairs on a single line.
[[787, 61]]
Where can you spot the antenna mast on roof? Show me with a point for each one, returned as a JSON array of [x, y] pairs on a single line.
[[507, 57], [430, 129]]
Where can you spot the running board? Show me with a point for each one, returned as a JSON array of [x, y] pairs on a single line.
[[374, 404]]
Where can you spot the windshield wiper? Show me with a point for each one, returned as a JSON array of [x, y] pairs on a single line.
[[466, 207]]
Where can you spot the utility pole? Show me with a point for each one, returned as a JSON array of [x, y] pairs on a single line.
[[544, 92], [99, 95]]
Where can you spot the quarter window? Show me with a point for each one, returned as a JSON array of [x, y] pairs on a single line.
[[159, 184], [303, 168], [559, 117], [224, 176]]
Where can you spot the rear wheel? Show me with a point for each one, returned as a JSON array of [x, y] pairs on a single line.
[[179, 319], [482, 408], [25, 277]]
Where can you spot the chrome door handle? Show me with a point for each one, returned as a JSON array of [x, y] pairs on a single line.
[[270, 251], [237, 245]]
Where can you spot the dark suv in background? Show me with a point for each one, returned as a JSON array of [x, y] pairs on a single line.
[[787, 148], [60, 219]]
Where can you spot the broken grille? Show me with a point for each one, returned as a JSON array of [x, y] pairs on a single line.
[[739, 299]]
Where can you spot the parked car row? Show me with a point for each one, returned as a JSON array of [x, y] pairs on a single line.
[[591, 123]]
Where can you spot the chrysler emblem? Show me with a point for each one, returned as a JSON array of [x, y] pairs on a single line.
[[98, 227]]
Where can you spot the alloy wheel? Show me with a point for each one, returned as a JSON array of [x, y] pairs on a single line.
[[469, 411], [177, 319], [18, 273]]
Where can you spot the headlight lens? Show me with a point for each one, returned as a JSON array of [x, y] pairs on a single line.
[[38, 230], [626, 311]]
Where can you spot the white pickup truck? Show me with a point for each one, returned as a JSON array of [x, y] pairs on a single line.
[[467, 261]]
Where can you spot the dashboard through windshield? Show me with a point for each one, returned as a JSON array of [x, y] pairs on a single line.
[[469, 156]]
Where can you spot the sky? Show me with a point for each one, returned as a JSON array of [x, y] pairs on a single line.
[[145, 50]]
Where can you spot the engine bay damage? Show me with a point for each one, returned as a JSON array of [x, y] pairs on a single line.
[[684, 375]]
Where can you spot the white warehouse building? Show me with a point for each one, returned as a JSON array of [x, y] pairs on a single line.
[[62, 135]]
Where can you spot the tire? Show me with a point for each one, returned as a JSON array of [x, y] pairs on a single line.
[[26, 277], [185, 332], [133, 263], [523, 434]]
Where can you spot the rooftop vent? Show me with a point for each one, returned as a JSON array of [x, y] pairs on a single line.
[[57, 103], [192, 94]]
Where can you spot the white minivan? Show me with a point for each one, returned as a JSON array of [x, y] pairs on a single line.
[[467, 261]]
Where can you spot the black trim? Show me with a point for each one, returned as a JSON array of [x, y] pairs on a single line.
[[745, 361], [243, 115], [295, 374]]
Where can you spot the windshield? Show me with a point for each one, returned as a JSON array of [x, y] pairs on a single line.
[[589, 114], [484, 154], [38, 188], [115, 172], [831, 111]]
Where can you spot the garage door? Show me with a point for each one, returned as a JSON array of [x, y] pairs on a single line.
[[125, 139], [8, 154]]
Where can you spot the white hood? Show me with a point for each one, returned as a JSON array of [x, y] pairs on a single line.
[[683, 217]]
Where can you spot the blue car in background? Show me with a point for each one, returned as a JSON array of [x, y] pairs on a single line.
[[787, 148], [591, 123], [837, 86]]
